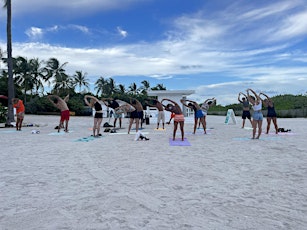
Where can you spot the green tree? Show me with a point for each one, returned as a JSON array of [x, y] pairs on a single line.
[[36, 72], [159, 87], [54, 72], [121, 89], [100, 84], [145, 87], [80, 80], [133, 89], [21, 69]]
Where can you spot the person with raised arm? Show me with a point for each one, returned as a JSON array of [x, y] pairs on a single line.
[[205, 107], [198, 114], [93, 102], [136, 115], [61, 104], [271, 115], [161, 115], [113, 104], [256, 102], [173, 107], [246, 109]]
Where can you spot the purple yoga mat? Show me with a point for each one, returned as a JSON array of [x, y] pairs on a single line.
[[179, 142]]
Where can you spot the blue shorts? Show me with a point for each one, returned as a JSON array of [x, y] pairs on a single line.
[[257, 116], [199, 114]]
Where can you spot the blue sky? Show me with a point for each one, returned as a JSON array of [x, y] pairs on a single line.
[[216, 47]]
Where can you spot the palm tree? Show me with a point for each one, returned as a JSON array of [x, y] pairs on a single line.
[[111, 86], [81, 80], [22, 74], [62, 84], [145, 87], [99, 85], [159, 87], [121, 89], [37, 74], [54, 70], [11, 89], [133, 88]]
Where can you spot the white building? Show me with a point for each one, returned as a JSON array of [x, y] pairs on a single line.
[[175, 95]]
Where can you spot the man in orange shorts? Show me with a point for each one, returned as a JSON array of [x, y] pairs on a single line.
[[61, 105]]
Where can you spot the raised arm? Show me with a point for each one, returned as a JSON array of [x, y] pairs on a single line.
[[183, 101], [86, 97], [50, 99], [268, 101], [66, 98], [148, 100]]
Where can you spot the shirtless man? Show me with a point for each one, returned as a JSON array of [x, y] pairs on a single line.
[[62, 106], [159, 106], [136, 115], [173, 107]]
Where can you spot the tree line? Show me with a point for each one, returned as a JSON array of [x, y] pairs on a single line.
[[34, 78]]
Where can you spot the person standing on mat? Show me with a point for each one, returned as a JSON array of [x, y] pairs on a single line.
[[198, 114], [205, 107], [112, 103], [62, 106], [94, 103], [159, 106], [173, 107], [257, 115], [271, 115], [135, 115], [246, 110], [20, 112]]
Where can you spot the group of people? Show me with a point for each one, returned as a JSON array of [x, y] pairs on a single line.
[[257, 101], [135, 108]]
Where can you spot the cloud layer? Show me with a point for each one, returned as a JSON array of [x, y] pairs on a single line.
[[219, 51]]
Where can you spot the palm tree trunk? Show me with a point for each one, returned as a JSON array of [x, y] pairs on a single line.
[[11, 90]]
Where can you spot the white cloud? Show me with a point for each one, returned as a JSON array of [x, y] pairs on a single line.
[[35, 33], [122, 32], [236, 47]]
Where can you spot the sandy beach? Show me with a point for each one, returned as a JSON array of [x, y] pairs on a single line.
[[221, 180]]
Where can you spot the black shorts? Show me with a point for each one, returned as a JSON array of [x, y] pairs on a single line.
[[98, 115], [246, 114], [134, 114]]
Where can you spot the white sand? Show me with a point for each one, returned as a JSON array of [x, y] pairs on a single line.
[[224, 180]]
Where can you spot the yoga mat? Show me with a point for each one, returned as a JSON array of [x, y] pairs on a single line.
[[160, 129], [250, 139], [122, 133], [179, 142], [9, 131], [59, 133], [87, 139], [283, 134]]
